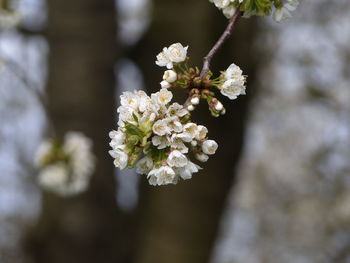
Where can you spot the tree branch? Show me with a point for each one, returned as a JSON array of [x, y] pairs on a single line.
[[227, 33]]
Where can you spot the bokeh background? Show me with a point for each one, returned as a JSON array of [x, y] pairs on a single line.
[[278, 189]]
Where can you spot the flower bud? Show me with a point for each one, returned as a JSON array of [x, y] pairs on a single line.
[[170, 76], [194, 143], [195, 100], [209, 147], [201, 157], [165, 84], [190, 107], [219, 106]]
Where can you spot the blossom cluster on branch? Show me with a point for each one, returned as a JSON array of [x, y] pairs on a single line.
[[162, 133], [280, 8], [65, 166], [156, 135]]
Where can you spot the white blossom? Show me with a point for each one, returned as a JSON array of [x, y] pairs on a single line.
[[65, 168], [170, 76], [161, 128], [144, 165], [130, 99], [174, 124], [163, 59], [284, 11], [160, 141], [177, 159], [163, 96], [234, 82], [54, 177], [232, 89], [177, 52], [177, 142], [201, 132], [120, 156], [187, 171], [126, 115], [190, 129], [165, 84], [164, 175], [118, 138], [145, 103], [228, 7], [233, 72], [176, 109], [209, 147], [152, 179]]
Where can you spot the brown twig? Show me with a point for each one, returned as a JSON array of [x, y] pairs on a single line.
[[227, 33]]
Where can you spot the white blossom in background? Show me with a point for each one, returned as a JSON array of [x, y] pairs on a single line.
[[65, 167], [9, 19]]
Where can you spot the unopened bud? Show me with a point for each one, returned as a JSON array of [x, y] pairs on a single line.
[[219, 106], [195, 100], [170, 76], [190, 107], [194, 143], [202, 157]]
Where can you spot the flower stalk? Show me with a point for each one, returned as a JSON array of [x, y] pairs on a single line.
[[225, 35]]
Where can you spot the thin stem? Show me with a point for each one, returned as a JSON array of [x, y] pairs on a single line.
[[227, 33]]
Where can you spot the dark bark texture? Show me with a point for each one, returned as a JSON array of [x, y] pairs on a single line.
[[86, 228]]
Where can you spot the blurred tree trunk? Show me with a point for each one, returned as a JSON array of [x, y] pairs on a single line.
[[180, 223], [86, 228]]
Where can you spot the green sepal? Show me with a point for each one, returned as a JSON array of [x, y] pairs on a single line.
[[157, 155], [133, 156], [135, 117], [214, 112], [260, 7], [132, 129]]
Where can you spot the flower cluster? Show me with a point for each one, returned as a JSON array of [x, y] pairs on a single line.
[[162, 133], [230, 83], [65, 166], [282, 8], [156, 135]]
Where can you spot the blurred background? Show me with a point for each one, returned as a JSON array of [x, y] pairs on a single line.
[[278, 189]]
